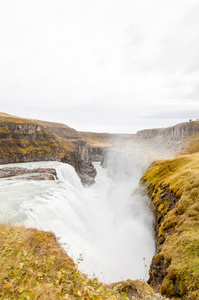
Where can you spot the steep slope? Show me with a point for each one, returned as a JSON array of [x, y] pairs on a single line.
[[191, 145], [175, 139], [174, 189], [34, 266], [24, 140]]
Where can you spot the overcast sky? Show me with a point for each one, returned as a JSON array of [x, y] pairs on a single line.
[[100, 65]]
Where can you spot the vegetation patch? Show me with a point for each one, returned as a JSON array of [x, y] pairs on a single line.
[[34, 266]]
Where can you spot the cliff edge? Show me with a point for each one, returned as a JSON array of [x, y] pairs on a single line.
[[173, 188], [25, 140], [101, 142], [179, 131]]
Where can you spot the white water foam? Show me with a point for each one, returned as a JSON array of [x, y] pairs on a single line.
[[109, 223]]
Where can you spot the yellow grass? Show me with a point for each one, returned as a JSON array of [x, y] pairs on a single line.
[[178, 224], [191, 145], [34, 266]]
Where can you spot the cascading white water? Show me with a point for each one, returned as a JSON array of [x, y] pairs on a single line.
[[109, 223]]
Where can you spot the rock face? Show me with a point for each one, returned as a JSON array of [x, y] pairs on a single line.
[[25, 140], [178, 131], [96, 153], [162, 140], [101, 142], [34, 174]]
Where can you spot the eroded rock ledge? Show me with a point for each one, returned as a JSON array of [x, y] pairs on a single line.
[[33, 174]]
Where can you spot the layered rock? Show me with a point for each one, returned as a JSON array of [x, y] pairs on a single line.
[[25, 140], [169, 139], [101, 142], [31, 174], [178, 131]]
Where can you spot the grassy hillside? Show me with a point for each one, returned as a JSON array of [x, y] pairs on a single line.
[[191, 145], [173, 187], [34, 266]]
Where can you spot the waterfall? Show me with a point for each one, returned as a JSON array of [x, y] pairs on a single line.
[[110, 223]]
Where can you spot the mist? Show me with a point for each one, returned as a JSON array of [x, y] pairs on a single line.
[[109, 225]]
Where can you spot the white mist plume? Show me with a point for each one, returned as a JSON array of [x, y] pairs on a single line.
[[109, 223]]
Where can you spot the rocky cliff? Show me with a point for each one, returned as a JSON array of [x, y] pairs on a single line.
[[161, 139], [100, 142], [178, 131], [25, 140]]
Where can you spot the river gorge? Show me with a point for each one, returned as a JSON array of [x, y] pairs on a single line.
[[107, 228], [123, 206]]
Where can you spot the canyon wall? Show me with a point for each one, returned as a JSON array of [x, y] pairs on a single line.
[[178, 131], [101, 142], [171, 139], [25, 140]]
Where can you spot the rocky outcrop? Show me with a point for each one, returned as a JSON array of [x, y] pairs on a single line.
[[25, 140], [31, 174], [158, 271], [87, 173]]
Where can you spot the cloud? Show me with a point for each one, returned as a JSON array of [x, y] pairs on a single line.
[[105, 64]]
